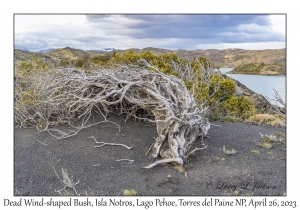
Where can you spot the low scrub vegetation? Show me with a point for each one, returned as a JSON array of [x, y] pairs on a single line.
[[208, 86], [199, 76], [274, 120], [268, 141]]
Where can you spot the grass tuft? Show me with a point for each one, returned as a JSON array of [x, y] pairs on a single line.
[[267, 119], [268, 141], [273, 139], [131, 192], [262, 118], [228, 152], [278, 123], [265, 145], [179, 168]]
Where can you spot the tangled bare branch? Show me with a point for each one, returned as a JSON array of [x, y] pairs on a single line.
[[278, 100], [66, 95], [280, 108]]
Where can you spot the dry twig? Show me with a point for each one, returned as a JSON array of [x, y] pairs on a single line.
[[130, 161], [67, 181], [109, 144], [42, 142]]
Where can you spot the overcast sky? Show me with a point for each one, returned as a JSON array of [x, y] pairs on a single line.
[[37, 32]]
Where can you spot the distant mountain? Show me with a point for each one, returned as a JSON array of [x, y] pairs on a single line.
[[103, 50], [46, 50], [23, 49]]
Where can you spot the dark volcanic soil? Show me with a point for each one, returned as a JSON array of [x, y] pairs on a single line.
[[208, 173]]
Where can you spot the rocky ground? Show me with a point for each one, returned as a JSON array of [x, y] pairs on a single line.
[[251, 171]]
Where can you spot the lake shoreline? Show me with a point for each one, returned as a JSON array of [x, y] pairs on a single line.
[[260, 84], [229, 72], [274, 75]]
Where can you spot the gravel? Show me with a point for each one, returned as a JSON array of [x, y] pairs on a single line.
[[252, 170]]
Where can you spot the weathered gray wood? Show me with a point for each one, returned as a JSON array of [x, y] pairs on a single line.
[[69, 94]]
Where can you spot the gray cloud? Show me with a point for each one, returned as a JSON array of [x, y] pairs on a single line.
[[222, 28], [139, 31]]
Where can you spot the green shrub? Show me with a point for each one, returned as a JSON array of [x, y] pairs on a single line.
[[101, 59], [209, 87], [128, 57], [238, 107]]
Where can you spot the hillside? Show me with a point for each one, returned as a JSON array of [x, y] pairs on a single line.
[[259, 69], [21, 55], [56, 54], [228, 58], [67, 53]]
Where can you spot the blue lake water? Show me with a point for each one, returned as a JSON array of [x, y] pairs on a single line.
[[261, 84]]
